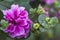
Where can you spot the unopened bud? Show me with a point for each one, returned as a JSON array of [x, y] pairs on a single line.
[[36, 25]]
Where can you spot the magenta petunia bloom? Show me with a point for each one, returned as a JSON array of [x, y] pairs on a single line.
[[19, 22], [49, 2]]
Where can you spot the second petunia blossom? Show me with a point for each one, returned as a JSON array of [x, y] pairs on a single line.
[[19, 22]]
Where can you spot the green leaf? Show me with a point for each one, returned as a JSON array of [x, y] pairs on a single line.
[[1, 0], [20, 1], [41, 18], [50, 24], [54, 20], [4, 24], [57, 5], [8, 38], [5, 5], [42, 29], [32, 37], [26, 5], [2, 7], [57, 29], [24, 1], [42, 21], [2, 35], [9, 0], [32, 11], [50, 33]]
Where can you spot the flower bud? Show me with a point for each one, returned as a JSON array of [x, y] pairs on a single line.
[[47, 19], [40, 10], [53, 21], [36, 25], [49, 22]]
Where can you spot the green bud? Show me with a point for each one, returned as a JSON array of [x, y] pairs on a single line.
[[36, 25], [40, 10], [49, 22], [53, 20], [47, 19]]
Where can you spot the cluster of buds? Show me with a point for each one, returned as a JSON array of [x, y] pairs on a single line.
[[40, 9], [52, 21]]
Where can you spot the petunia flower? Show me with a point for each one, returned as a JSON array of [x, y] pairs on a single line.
[[49, 2], [19, 22]]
